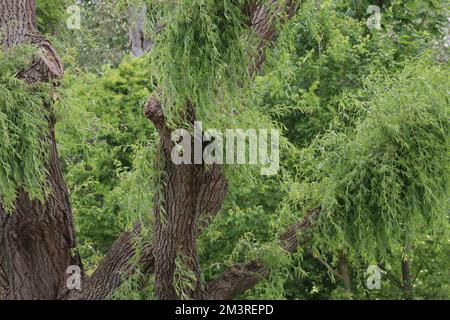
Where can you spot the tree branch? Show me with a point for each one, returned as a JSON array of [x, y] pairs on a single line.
[[329, 268], [263, 21], [212, 190], [119, 263], [243, 276]]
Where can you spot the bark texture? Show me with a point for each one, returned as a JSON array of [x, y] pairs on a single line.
[[17, 21], [36, 239], [187, 191], [190, 190], [129, 251]]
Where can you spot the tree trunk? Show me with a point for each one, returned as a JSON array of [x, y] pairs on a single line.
[[187, 191], [176, 234], [176, 230], [139, 44], [36, 239], [345, 273], [406, 279]]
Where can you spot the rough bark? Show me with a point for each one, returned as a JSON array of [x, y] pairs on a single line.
[[188, 188], [17, 21], [188, 192], [36, 239]]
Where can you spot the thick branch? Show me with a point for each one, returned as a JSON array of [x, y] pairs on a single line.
[[243, 276], [138, 42], [211, 185], [120, 262], [264, 19]]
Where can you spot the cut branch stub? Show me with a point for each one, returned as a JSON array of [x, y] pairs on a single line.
[[154, 112], [46, 64]]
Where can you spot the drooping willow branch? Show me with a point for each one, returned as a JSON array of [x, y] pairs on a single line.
[[211, 188]]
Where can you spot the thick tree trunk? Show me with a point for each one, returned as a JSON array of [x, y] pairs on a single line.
[[189, 189], [36, 239], [17, 21], [176, 233]]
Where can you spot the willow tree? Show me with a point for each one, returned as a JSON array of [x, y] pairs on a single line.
[[382, 180], [36, 227], [204, 61]]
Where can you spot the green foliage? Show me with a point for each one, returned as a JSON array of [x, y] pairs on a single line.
[[201, 58], [184, 278], [106, 148], [325, 53], [24, 130], [365, 135], [429, 272], [50, 15], [136, 287], [385, 182], [101, 40]]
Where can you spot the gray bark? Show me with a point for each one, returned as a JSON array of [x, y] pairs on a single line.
[[139, 45]]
